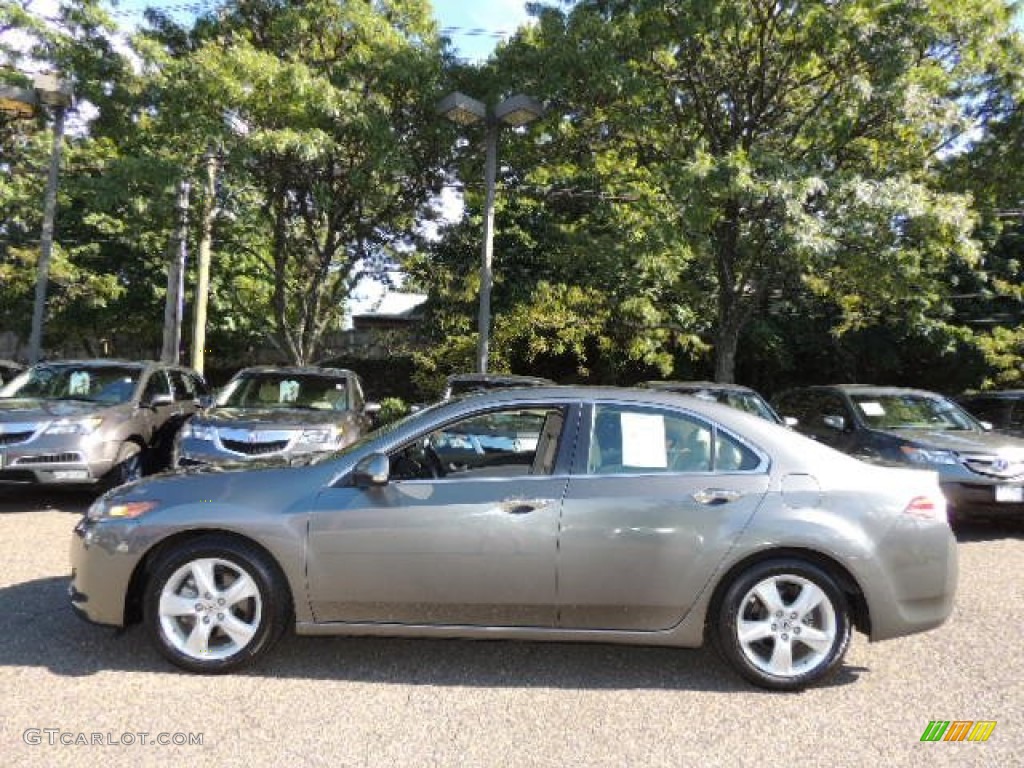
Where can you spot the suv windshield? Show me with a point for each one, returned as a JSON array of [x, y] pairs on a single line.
[[108, 384], [286, 390], [907, 411]]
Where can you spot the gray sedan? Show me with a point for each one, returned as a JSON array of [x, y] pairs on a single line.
[[622, 516]]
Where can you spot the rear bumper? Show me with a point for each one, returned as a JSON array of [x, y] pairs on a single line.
[[921, 579]]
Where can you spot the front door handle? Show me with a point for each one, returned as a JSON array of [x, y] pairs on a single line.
[[523, 506], [712, 497]]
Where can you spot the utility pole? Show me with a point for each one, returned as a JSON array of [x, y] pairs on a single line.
[[174, 305], [203, 278], [35, 342]]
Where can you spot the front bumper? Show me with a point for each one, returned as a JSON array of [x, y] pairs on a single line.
[[985, 498], [102, 564], [57, 460]]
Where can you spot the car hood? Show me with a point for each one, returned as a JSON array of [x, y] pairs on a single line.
[[960, 442], [261, 418], [231, 481], [25, 409]]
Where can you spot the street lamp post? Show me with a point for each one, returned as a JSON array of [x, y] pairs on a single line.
[[514, 111], [48, 90]]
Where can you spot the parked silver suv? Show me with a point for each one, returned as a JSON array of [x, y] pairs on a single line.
[[87, 421], [277, 412]]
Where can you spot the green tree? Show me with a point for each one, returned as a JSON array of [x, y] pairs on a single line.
[[767, 146], [325, 112]]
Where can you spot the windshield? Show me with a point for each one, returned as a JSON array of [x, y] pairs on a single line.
[[912, 411], [308, 391], [108, 384]]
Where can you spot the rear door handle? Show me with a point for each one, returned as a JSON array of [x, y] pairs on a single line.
[[715, 496], [523, 506]]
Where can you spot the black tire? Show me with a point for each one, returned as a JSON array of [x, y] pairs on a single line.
[[789, 648], [128, 465], [236, 631]]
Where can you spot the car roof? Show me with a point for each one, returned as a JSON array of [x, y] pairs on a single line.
[[104, 362], [863, 389], [110, 362], [698, 386], [497, 378], [580, 392], [296, 370], [996, 393]]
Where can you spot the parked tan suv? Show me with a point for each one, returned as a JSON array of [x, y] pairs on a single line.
[[87, 421]]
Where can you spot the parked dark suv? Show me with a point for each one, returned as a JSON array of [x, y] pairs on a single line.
[[277, 412], [1003, 410], [981, 472], [86, 421]]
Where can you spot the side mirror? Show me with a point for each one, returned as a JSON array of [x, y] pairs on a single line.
[[837, 423], [371, 408], [162, 399], [372, 470], [791, 421], [986, 425]]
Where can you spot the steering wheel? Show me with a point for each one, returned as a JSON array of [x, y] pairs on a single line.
[[434, 463]]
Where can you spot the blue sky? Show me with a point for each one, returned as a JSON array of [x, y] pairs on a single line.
[[476, 25], [477, 22]]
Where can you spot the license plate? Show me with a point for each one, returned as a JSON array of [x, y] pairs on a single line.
[[71, 474], [1010, 493]]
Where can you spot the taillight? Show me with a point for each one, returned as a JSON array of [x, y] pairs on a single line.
[[926, 508]]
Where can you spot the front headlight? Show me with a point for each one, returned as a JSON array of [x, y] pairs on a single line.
[[321, 435], [76, 427], [104, 509], [916, 455], [198, 431]]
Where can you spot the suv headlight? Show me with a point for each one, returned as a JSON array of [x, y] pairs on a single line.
[[321, 435], [74, 427], [916, 455], [198, 431]]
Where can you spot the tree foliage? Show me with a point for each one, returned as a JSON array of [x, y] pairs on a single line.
[[720, 189]]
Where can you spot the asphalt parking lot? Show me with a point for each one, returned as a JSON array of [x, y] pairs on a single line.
[[75, 694]]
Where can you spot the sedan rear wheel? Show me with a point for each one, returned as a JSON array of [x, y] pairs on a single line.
[[784, 625], [215, 604]]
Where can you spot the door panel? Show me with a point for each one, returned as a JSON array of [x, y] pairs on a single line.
[[636, 552], [476, 552], [659, 498]]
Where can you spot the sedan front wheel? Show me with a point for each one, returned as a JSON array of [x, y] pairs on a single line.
[[215, 604], [784, 625]]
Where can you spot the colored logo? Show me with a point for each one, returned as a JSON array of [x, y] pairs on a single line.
[[958, 730]]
